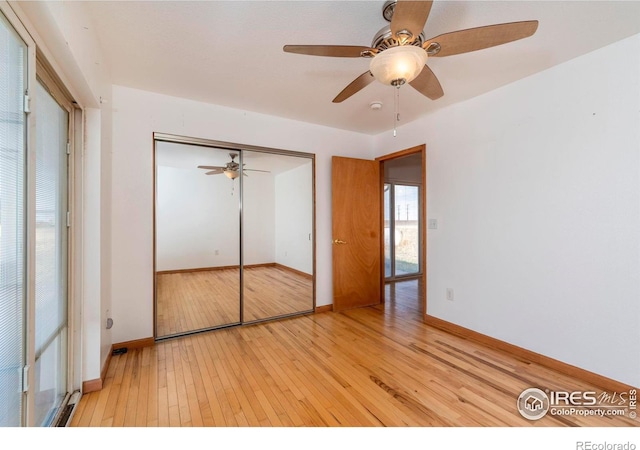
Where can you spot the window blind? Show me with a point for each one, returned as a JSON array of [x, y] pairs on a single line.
[[13, 59], [51, 256]]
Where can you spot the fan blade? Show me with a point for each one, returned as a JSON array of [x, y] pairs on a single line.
[[410, 16], [359, 83], [256, 170], [210, 167], [342, 51], [214, 172], [473, 39], [427, 84]]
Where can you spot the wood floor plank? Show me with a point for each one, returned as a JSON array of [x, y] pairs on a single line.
[[123, 392], [194, 386], [282, 386], [152, 391], [87, 413], [163, 407], [131, 408], [377, 366], [209, 380], [101, 406], [248, 403], [115, 382], [143, 389], [181, 387], [265, 414], [271, 398]]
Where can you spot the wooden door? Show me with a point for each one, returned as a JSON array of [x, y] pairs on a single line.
[[356, 200]]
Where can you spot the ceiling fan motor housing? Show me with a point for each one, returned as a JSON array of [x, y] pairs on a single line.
[[384, 39], [233, 165]]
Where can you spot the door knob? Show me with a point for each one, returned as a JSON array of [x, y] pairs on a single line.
[[338, 241]]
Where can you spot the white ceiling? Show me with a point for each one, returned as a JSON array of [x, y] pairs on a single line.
[[230, 52]]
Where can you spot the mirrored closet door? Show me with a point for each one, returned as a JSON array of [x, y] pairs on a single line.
[[197, 230], [277, 209], [234, 234]]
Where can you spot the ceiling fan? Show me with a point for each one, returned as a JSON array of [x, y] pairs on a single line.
[[231, 169], [399, 51]]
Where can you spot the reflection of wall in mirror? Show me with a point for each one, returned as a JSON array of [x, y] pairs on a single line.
[[258, 217], [198, 216], [294, 218]]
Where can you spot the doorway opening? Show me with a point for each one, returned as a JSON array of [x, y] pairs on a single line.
[[403, 185], [402, 224]]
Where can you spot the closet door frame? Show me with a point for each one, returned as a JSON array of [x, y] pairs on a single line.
[[177, 139]]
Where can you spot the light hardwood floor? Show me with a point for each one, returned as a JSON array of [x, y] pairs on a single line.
[[376, 366], [189, 301]]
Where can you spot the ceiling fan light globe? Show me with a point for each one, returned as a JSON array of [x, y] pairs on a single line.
[[398, 63], [231, 174]]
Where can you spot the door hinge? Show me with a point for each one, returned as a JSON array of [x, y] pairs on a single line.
[[25, 378], [27, 103], [68, 219], [68, 148]]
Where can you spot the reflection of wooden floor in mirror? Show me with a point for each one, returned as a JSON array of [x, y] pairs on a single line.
[[273, 291], [190, 301]]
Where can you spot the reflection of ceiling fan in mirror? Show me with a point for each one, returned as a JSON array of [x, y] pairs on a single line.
[[231, 169]]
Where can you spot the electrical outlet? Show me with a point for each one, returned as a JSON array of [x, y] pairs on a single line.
[[450, 294], [217, 252], [432, 224]]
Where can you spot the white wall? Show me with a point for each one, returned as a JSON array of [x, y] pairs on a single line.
[[105, 227], [92, 279], [536, 189], [294, 218], [137, 114]]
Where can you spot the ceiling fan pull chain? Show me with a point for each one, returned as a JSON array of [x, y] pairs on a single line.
[[396, 111]]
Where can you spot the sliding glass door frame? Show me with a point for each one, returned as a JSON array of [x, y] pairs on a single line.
[[240, 149], [37, 71], [392, 225], [18, 377], [49, 82]]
